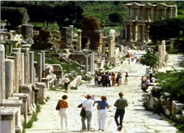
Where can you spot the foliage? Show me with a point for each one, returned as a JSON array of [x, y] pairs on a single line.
[[166, 29], [173, 83], [115, 17], [10, 13], [67, 14], [90, 23], [67, 66], [149, 59]]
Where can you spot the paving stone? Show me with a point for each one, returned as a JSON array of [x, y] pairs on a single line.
[[136, 119]]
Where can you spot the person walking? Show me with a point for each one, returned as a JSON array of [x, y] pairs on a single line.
[[66, 82], [87, 105], [120, 105], [102, 105], [62, 111], [113, 79], [126, 79]]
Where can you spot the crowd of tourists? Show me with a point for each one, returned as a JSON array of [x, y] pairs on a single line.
[[87, 109], [107, 79]]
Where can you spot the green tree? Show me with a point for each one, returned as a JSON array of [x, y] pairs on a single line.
[[166, 29], [115, 17], [15, 16], [68, 13], [149, 59]]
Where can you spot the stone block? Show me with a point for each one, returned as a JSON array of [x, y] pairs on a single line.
[[75, 82], [27, 89], [15, 103], [42, 91], [24, 107], [7, 115], [176, 107]]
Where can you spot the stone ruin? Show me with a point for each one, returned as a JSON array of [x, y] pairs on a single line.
[[90, 48], [23, 82], [162, 54]]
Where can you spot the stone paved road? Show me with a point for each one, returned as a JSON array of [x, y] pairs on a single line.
[[136, 120]]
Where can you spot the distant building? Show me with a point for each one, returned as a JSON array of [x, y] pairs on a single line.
[[140, 16]]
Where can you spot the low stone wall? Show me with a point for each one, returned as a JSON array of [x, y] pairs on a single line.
[[161, 103]]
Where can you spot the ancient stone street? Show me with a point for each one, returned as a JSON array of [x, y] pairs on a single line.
[[136, 120]]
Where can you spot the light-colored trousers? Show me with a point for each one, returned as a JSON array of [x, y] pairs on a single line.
[[63, 116], [101, 118]]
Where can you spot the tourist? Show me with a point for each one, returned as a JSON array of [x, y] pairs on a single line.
[[120, 105], [87, 105], [113, 79], [117, 78], [102, 105], [66, 82], [107, 79], [96, 79], [99, 79], [103, 79], [126, 79], [62, 111]]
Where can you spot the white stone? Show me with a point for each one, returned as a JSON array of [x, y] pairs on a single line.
[[7, 122], [9, 69], [2, 71]]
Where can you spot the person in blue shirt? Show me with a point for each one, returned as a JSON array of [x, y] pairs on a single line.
[[102, 105]]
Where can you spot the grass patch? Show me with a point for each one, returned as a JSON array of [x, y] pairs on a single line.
[[68, 67], [34, 118], [106, 67]]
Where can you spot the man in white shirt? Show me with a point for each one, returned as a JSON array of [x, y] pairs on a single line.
[[87, 104]]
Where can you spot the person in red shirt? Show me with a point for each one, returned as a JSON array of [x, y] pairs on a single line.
[[62, 112]]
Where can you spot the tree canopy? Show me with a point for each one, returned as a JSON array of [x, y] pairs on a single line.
[[14, 15], [149, 59], [115, 17], [166, 29]]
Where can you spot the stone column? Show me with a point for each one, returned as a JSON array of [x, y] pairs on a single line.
[[165, 13], [152, 14], [171, 12], [22, 69], [86, 63], [7, 115], [26, 66], [31, 59], [126, 32], [9, 72], [136, 32], [14, 73], [92, 62], [43, 60], [138, 13], [103, 45], [39, 67], [79, 39], [130, 39], [2, 72], [175, 11], [143, 33], [70, 34], [17, 70]]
